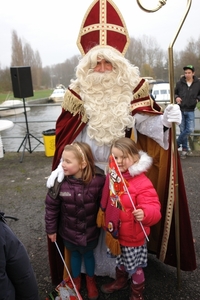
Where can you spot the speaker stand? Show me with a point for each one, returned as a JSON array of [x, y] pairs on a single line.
[[27, 137]]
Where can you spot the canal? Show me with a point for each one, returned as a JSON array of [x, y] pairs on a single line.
[[40, 118]]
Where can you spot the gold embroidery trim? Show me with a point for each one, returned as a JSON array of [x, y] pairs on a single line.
[[74, 105]]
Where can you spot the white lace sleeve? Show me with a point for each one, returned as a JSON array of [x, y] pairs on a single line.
[[152, 127]]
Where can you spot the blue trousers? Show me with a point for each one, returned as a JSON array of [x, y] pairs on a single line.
[[79, 252], [89, 261], [186, 127]]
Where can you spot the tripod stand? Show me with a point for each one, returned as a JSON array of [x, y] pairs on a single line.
[[27, 136]]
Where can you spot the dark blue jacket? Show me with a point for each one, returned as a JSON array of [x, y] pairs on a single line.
[[73, 212], [17, 279]]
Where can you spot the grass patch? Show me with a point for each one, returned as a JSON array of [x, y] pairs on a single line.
[[37, 95]]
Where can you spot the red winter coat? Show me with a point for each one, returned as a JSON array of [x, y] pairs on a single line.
[[144, 196], [121, 223]]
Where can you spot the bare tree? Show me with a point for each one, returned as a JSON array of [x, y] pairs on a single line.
[[63, 73], [33, 60], [17, 58], [136, 53], [38, 70], [145, 53], [29, 56], [25, 56], [5, 80], [70, 67], [190, 56]]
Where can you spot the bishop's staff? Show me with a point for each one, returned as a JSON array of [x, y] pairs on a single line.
[[173, 196]]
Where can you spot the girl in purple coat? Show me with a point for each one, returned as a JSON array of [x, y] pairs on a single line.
[[71, 210], [128, 223]]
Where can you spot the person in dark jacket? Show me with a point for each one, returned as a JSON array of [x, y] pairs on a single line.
[[187, 94], [72, 212], [17, 279]]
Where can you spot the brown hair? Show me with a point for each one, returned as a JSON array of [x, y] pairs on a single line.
[[126, 145], [83, 153]]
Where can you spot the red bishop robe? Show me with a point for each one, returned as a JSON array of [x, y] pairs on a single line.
[[71, 122]]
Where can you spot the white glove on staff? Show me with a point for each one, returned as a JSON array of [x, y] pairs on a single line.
[[172, 114], [57, 173]]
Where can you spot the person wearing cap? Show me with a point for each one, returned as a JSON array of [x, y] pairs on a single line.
[[187, 94], [108, 100]]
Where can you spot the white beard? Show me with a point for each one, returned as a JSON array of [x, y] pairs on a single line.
[[107, 102]]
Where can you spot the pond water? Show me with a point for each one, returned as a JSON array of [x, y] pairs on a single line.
[[40, 118]]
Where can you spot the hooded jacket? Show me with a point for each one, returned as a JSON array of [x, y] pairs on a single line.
[[120, 223], [190, 95], [144, 196]]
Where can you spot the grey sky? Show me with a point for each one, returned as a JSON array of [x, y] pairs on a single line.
[[52, 27]]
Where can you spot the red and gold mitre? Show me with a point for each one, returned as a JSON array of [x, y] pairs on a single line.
[[103, 25]]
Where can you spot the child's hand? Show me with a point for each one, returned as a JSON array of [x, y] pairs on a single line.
[[52, 237], [138, 214]]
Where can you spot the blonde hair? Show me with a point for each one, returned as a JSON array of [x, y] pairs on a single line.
[[126, 145], [83, 153]]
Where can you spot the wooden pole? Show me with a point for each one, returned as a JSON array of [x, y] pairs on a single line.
[[174, 166]]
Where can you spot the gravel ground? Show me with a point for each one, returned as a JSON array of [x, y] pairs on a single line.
[[22, 194]]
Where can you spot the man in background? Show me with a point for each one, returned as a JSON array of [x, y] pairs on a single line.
[[187, 94]]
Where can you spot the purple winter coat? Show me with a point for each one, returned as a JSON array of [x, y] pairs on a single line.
[[73, 212]]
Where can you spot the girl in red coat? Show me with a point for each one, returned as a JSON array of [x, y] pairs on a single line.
[[71, 210], [128, 223]]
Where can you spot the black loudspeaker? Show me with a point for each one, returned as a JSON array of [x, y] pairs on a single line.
[[21, 82]]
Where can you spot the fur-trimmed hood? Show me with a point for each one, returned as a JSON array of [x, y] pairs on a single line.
[[142, 165]]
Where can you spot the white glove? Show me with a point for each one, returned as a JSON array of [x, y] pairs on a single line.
[[57, 173], [172, 114]]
